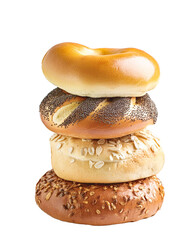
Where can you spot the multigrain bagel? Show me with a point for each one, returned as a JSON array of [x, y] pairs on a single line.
[[129, 158], [102, 72], [92, 118], [99, 204]]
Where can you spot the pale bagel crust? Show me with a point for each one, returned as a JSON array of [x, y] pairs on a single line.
[[102, 72], [85, 117], [132, 157], [99, 204]]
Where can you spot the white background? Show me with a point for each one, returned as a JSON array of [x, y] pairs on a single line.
[[28, 30]]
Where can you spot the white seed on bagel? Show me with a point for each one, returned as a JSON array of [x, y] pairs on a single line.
[[137, 157], [102, 72]]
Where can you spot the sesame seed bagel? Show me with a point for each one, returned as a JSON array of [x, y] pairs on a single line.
[[94, 118], [129, 158], [102, 72], [99, 204]]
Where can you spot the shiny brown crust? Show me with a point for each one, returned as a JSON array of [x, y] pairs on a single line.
[[96, 117], [99, 204], [102, 72]]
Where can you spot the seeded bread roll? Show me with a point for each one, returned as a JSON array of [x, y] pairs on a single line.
[[93, 118], [102, 72], [132, 157], [99, 204]]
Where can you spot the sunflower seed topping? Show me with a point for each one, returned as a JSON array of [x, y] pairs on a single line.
[[99, 164], [47, 197], [91, 150], [72, 160], [121, 210], [53, 137], [101, 141], [116, 155], [98, 211], [70, 149], [91, 163], [57, 138], [115, 149], [59, 145], [84, 151], [113, 206], [153, 148], [108, 205], [61, 139], [99, 150], [111, 157]]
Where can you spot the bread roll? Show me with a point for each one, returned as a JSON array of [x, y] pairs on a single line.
[[99, 204], [92, 118], [132, 157], [101, 72]]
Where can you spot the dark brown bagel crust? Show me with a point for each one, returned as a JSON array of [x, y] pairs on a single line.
[[118, 118], [99, 204]]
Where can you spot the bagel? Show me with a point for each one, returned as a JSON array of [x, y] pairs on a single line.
[[124, 159], [99, 204], [102, 72], [92, 118]]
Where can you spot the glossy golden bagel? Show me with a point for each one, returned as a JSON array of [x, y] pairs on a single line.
[[101, 72]]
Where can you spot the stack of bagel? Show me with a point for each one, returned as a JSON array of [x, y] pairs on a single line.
[[104, 159]]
